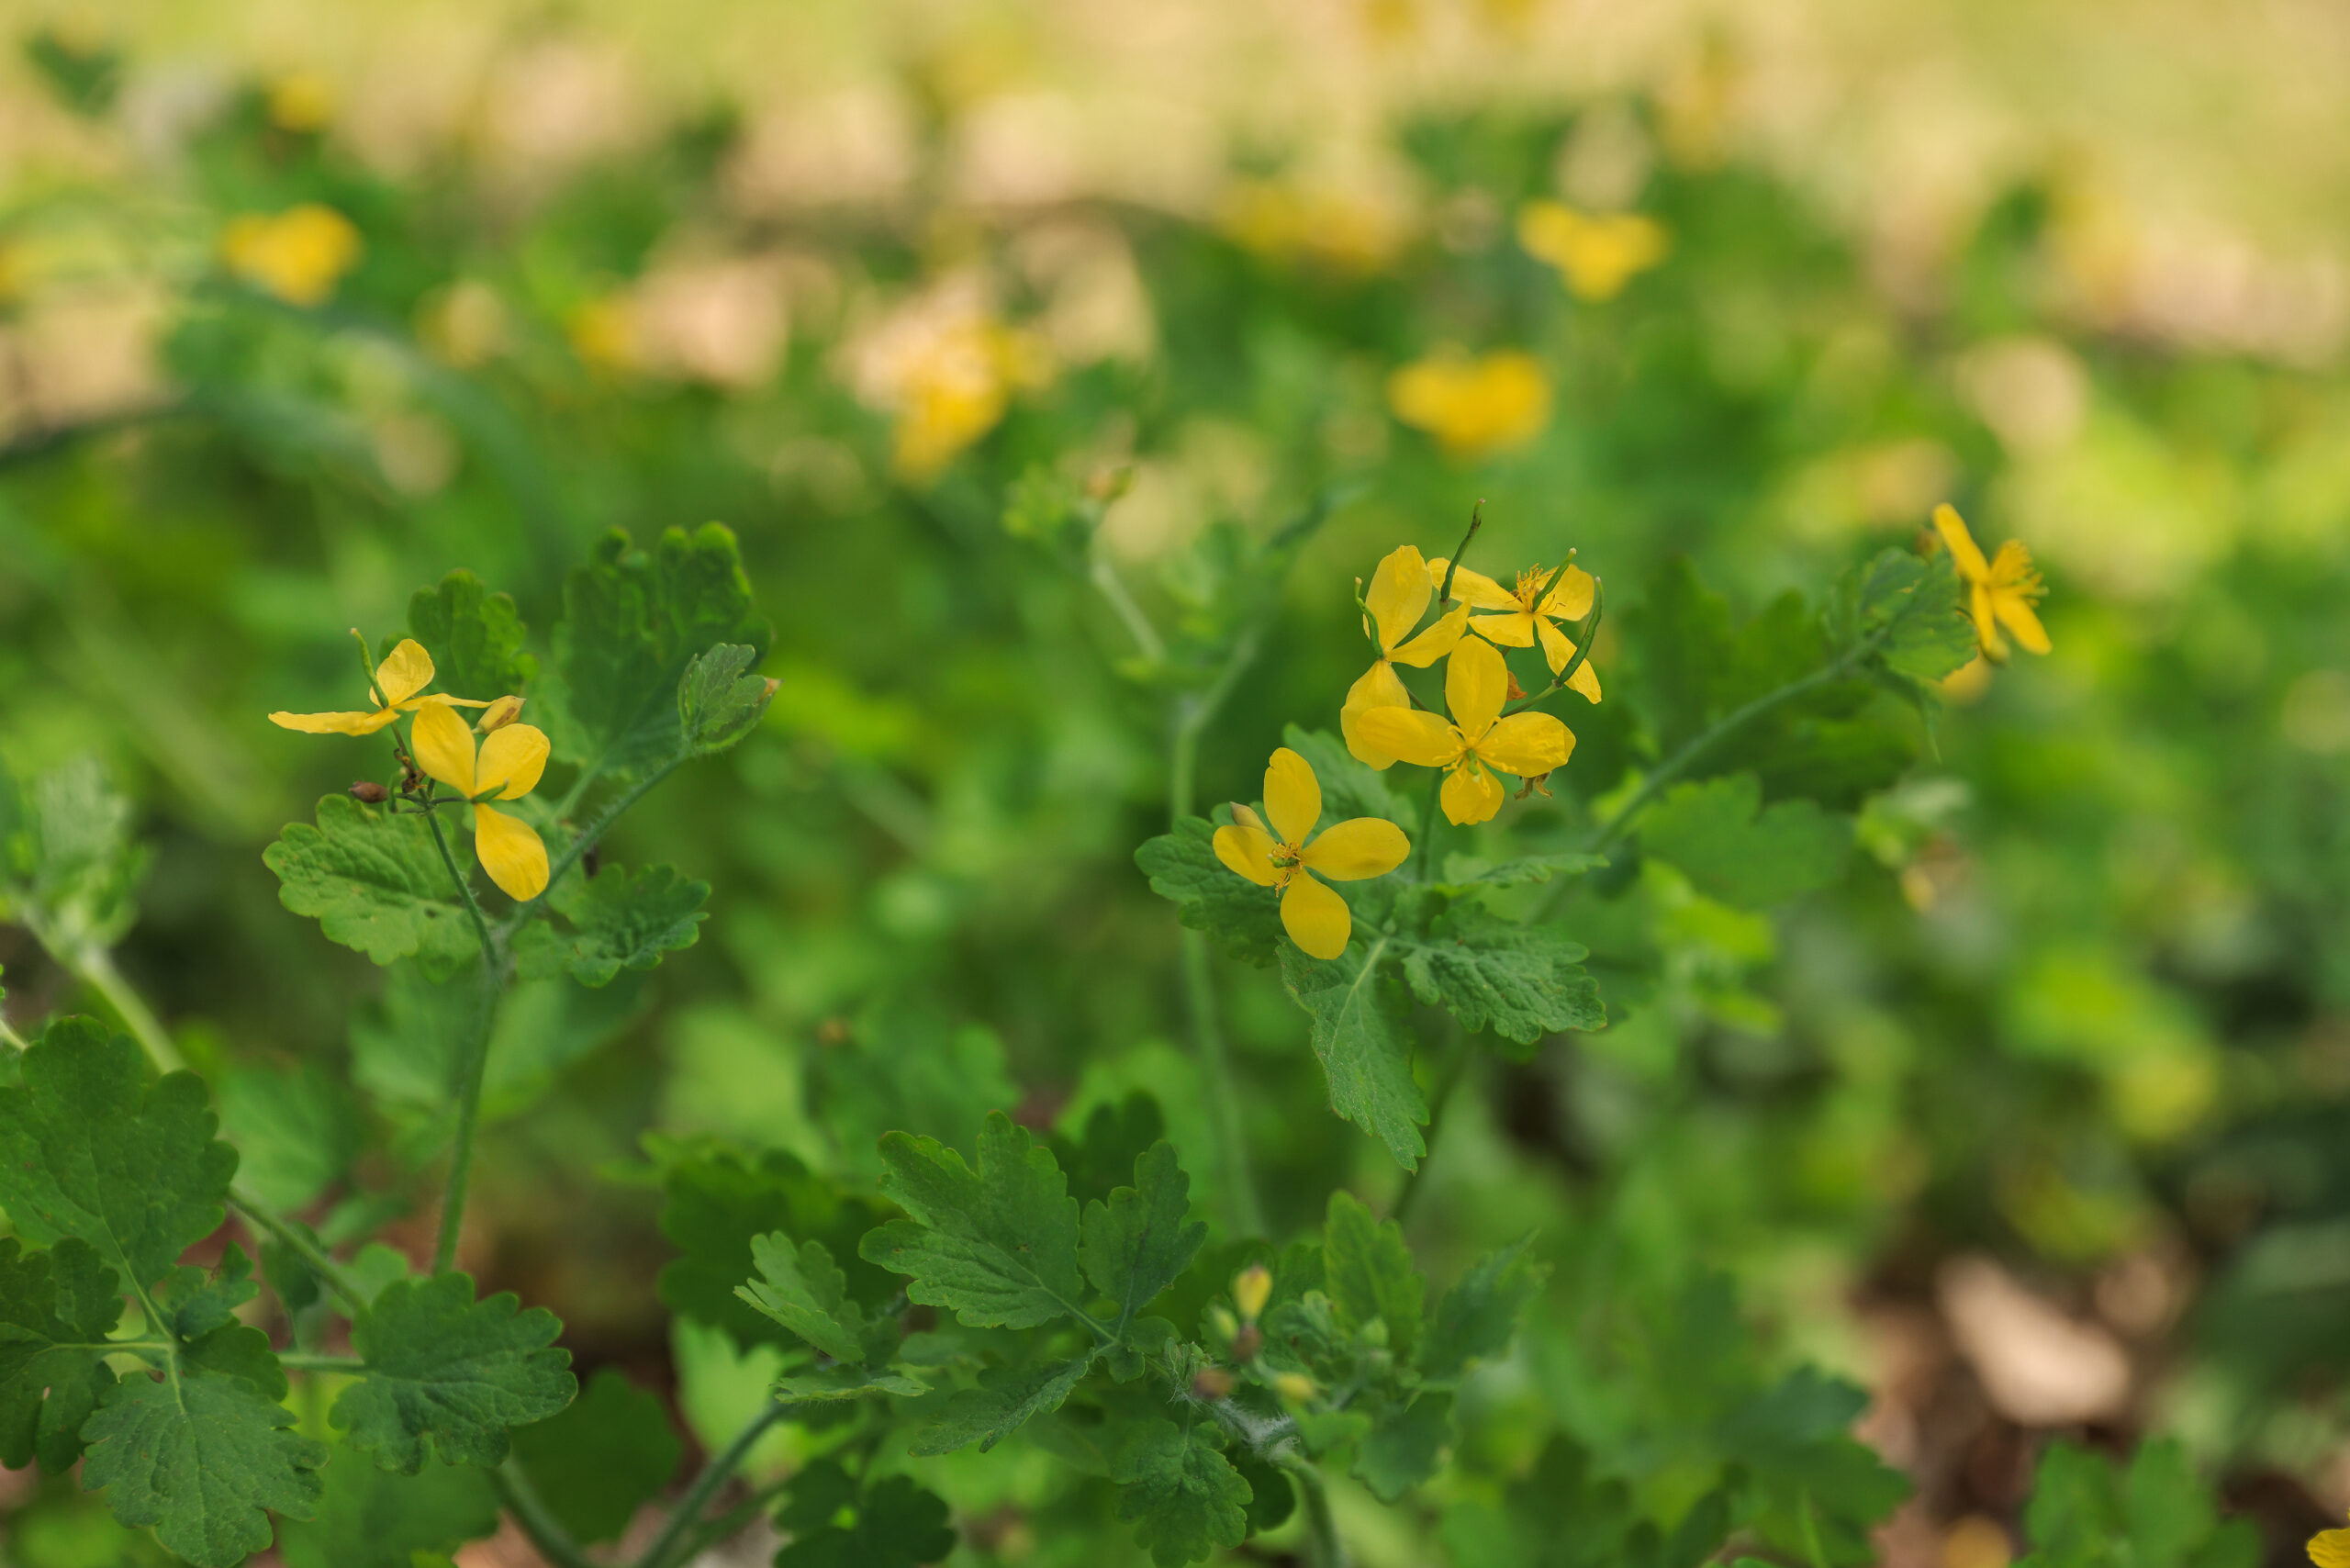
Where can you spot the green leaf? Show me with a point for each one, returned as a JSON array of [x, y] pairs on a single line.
[[1713, 833], [1272, 1495], [90, 1149], [1683, 640], [1238, 916], [717, 1200], [1524, 981], [1135, 1245], [840, 1383], [404, 1045], [1477, 1317], [69, 862], [195, 1303], [996, 1244], [2086, 1513], [374, 881], [1005, 1400], [1465, 874], [1179, 1493], [475, 636], [376, 1518], [1918, 605], [203, 1460], [634, 621], [1116, 1134], [907, 1067], [447, 1374], [1404, 1445], [623, 919], [806, 1292], [897, 1523], [602, 1458], [1811, 1478], [56, 1310], [1368, 1272], [296, 1132], [1350, 788], [1362, 1033], [717, 701]]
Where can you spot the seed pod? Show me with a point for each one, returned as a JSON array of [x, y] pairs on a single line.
[[500, 715], [1247, 1342], [370, 792], [1211, 1383]]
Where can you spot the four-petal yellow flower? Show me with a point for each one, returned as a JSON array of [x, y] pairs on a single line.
[[405, 671], [1519, 620], [1398, 598], [1595, 253], [1314, 915], [505, 767], [1477, 742], [1474, 407], [2001, 592]]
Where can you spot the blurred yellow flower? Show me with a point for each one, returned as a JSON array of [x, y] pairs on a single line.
[[303, 101], [299, 255], [1399, 596], [405, 671], [1477, 742], [603, 332], [2331, 1549], [958, 391], [1316, 918], [1251, 1289], [2001, 592], [1473, 408], [507, 768], [1520, 621], [1596, 253], [1332, 229]]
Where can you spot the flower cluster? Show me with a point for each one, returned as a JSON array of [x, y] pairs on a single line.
[[1473, 742], [504, 766]]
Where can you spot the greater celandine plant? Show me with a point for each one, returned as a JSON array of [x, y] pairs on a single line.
[[1215, 1378]]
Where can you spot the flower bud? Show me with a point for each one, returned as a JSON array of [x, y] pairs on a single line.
[[1252, 1288], [1295, 1387], [1211, 1383], [370, 792], [1221, 1320], [1247, 1342], [500, 715]]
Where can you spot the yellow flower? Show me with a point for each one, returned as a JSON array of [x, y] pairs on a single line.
[[2330, 1549], [958, 391], [399, 686], [1251, 1289], [1478, 741], [507, 768], [1473, 408], [1520, 621], [299, 255], [2001, 592], [1398, 598], [1596, 254], [301, 102], [1316, 918]]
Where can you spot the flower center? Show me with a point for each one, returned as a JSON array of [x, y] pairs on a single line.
[[1287, 859], [1529, 587]]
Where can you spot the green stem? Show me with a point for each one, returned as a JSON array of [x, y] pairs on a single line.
[[1428, 826], [663, 1553], [313, 1256], [1224, 1099], [318, 1362], [1321, 1529], [723, 1527], [12, 1039], [1456, 1067], [472, 1063], [95, 966], [1476, 522], [586, 838], [546, 1532], [1113, 588]]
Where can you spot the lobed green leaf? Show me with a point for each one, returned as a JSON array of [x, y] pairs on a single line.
[[1731, 848], [1524, 981], [476, 637], [374, 881], [446, 1374], [1362, 1033], [57, 1309], [996, 1244], [1238, 915], [203, 1459], [600, 1459]]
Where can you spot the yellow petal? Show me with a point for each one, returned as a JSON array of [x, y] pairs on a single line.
[[1409, 734], [1476, 684], [443, 699], [334, 723], [1378, 688], [511, 852], [1985, 626], [1528, 743], [512, 757], [1963, 548], [2014, 612], [1247, 850], [1572, 598], [444, 747], [1560, 650], [1436, 642], [1471, 588], [1471, 795], [1316, 918], [1513, 629], [1292, 795], [406, 671], [2331, 1549], [1585, 680], [1399, 593], [1359, 848]]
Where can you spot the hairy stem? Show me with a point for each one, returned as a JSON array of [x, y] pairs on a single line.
[[1321, 1530], [1113, 589], [546, 1532], [313, 1256], [95, 966], [472, 1063], [663, 1553]]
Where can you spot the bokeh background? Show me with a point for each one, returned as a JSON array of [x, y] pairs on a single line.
[[2040, 1124]]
